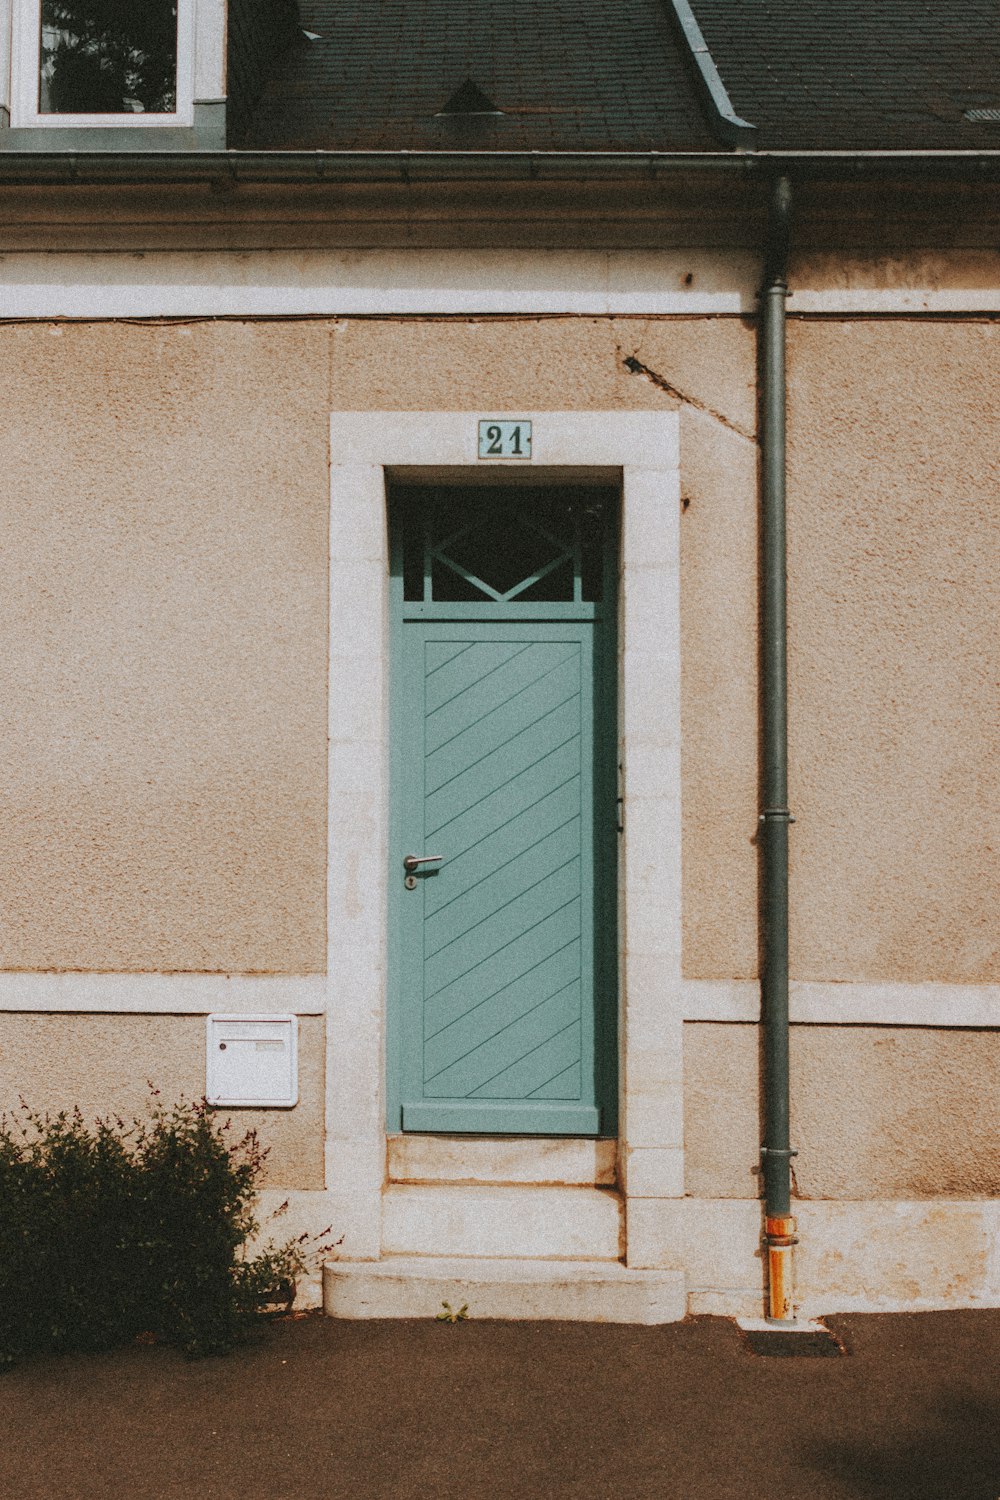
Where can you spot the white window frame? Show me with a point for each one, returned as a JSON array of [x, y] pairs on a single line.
[[25, 65]]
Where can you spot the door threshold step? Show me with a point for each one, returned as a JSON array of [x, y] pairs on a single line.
[[438, 1221], [579, 1291]]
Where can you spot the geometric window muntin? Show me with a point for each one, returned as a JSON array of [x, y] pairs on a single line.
[[512, 546]]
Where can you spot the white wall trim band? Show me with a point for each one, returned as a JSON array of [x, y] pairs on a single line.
[[163, 994], [279, 283], [860, 1003], [854, 1004], [387, 283]]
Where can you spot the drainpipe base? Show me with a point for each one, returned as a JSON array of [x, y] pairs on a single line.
[[779, 1236]]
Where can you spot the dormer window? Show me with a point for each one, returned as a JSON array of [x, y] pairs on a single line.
[[103, 63], [113, 75]]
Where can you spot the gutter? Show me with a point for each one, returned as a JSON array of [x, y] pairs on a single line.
[[37, 168], [263, 167]]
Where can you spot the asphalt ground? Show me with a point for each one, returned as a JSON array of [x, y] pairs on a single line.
[[418, 1410]]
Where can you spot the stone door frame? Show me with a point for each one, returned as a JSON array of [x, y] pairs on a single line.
[[639, 450]]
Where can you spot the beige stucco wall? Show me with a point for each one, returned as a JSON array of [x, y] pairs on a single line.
[[165, 649], [164, 573], [163, 714], [894, 588], [104, 1064], [705, 368], [894, 597], [877, 1111]]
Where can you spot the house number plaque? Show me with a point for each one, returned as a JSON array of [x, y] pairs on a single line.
[[502, 439]]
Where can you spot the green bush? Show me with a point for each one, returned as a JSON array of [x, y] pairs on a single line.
[[133, 1230]]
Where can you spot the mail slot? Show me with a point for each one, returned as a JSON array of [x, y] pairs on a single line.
[[252, 1061]]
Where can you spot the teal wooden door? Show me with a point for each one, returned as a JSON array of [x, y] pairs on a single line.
[[502, 958]]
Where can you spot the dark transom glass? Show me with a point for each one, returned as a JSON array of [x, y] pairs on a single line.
[[480, 545]]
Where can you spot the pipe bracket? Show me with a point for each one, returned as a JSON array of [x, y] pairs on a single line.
[[776, 814]]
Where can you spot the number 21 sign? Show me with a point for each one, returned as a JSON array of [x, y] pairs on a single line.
[[498, 439]]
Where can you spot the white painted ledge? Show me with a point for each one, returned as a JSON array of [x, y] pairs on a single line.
[[847, 1003], [387, 283], [164, 994], [851, 1004], [865, 301], [279, 283]]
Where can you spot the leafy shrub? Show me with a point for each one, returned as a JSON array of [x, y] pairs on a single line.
[[137, 1230]]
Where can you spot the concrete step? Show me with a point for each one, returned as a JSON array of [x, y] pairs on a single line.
[[518, 1222], [551, 1160], [403, 1286]]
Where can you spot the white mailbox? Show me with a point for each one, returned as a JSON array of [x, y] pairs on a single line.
[[252, 1061]]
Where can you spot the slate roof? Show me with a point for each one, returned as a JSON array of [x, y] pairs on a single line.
[[571, 75], [615, 75], [859, 74]]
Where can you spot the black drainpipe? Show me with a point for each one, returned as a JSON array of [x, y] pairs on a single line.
[[776, 1153]]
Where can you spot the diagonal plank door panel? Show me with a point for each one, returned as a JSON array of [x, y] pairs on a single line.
[[503, 840], [487, 725], [493, 693], [498, 939], [502, 768], [491, 980]]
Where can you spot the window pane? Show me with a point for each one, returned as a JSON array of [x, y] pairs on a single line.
[[532, 544], [108, 57]]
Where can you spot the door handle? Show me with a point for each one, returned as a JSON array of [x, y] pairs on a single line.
[[412, 861]]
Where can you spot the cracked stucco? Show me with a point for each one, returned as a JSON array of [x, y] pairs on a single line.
[[635, 366], [165, 652]]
